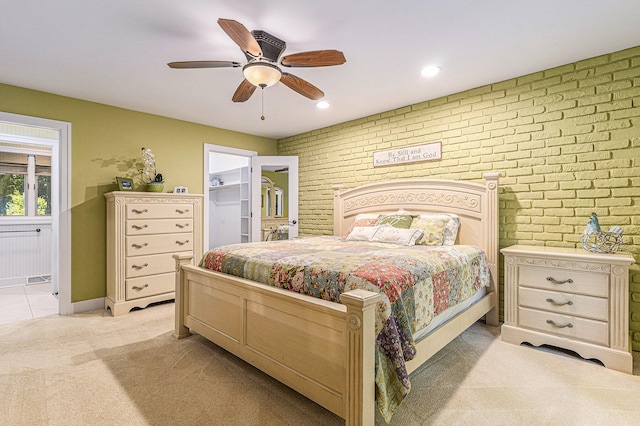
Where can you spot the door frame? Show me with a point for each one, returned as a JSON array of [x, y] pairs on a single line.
[[60, 215], [209, 149]]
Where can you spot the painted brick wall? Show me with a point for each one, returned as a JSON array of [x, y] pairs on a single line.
[[566, 140]]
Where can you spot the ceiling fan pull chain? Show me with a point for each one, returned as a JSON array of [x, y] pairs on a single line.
[[262, 86]]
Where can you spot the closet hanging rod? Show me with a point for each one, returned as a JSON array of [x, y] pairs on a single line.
[[22, 230]]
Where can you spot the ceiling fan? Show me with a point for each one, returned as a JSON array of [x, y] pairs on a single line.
[[263, 52]]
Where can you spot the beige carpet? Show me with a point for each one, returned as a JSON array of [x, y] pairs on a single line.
[[92, 369]]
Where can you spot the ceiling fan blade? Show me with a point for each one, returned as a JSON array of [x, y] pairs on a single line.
[[241, 36], [316, 58], [301, 86], [204, 64], [243, 92]]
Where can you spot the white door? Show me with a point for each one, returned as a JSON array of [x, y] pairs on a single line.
[[285, 167]]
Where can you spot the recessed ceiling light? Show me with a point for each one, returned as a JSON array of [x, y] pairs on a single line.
[[430, 71], [323, 105]]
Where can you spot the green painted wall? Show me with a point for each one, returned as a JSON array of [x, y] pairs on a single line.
[[566, 140], [105, 143]]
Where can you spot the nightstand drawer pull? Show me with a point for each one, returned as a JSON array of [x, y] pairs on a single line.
[[138, 246], [566, 302], [553, 323], [182, 211], [182, 242], [135, 287], [553, 280], [139, 211], [138, 267], [182, 226], [139, 227]]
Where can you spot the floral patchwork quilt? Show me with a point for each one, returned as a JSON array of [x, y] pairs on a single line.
[[415, 282]]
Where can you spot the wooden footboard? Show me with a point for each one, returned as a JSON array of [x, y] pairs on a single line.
[[323, 350]]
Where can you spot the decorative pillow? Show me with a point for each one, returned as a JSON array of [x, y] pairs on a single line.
[[363, 219], [452, 224], [451, 229], [432, 227], [363, 233], [396, 220], [390, 234]]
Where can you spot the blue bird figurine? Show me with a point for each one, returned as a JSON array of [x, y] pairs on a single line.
[[592, 225]]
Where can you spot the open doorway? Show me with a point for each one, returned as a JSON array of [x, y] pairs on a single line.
[[34, 217], [248, 198]]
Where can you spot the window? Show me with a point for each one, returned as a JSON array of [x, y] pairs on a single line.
[[25, 184]]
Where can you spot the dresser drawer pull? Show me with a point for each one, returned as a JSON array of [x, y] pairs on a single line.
[[553, 323], [182, 226], [138, 267], [135, 287], [182, 211], [553, 280], [566, 302], [182, 242], [139, 245], [139, 227], [139, 211]]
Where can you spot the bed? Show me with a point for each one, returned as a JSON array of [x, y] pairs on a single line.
[[325, 348]]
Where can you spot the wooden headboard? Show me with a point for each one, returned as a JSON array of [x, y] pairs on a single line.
[[476, 205]]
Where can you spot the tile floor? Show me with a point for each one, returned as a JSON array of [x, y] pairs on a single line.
[[23, 302]]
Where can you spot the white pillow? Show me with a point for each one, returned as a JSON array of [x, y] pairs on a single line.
[[363, 233], [390, 234]]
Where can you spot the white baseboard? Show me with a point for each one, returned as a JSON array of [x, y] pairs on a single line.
[[87, 305]]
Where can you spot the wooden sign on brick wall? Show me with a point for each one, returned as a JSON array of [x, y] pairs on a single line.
[[410, 154]]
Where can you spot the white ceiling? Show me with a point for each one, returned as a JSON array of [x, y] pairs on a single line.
[[115, 52]]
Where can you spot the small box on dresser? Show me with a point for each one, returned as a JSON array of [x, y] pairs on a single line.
[[569, 298], [144, 230]]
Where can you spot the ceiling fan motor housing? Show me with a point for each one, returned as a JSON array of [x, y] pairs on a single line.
[[272, 47]]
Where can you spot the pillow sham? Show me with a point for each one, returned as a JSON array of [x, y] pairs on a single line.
[[362, 233], [396, 220], [363, 219], [433, 229], [390, 234], [452, 224]]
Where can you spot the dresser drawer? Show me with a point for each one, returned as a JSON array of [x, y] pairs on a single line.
[[565, 325], [158, 226], [140, 245], [565, 303], [138, 266], [151, 285], [158, 211], [590, 283]]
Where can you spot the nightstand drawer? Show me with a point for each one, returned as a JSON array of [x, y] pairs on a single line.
[[150, 285], [565, 303], [139, 245], [158, 211], [158, 226], [565, 280], [565, 325]]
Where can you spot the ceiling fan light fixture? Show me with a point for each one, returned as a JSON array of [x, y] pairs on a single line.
[[323, 105], [261, 74]]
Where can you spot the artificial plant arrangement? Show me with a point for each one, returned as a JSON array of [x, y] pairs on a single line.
[[151, 178]]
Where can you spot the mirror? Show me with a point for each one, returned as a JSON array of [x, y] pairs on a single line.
[[272, 199]]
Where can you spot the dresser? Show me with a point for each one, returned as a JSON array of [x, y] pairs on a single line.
[[569, 298], [144, 230]]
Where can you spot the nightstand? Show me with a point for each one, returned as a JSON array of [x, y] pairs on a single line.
[[569, 298]]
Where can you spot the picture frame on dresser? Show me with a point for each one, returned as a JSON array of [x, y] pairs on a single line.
[[124, 184], [571, 299]]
